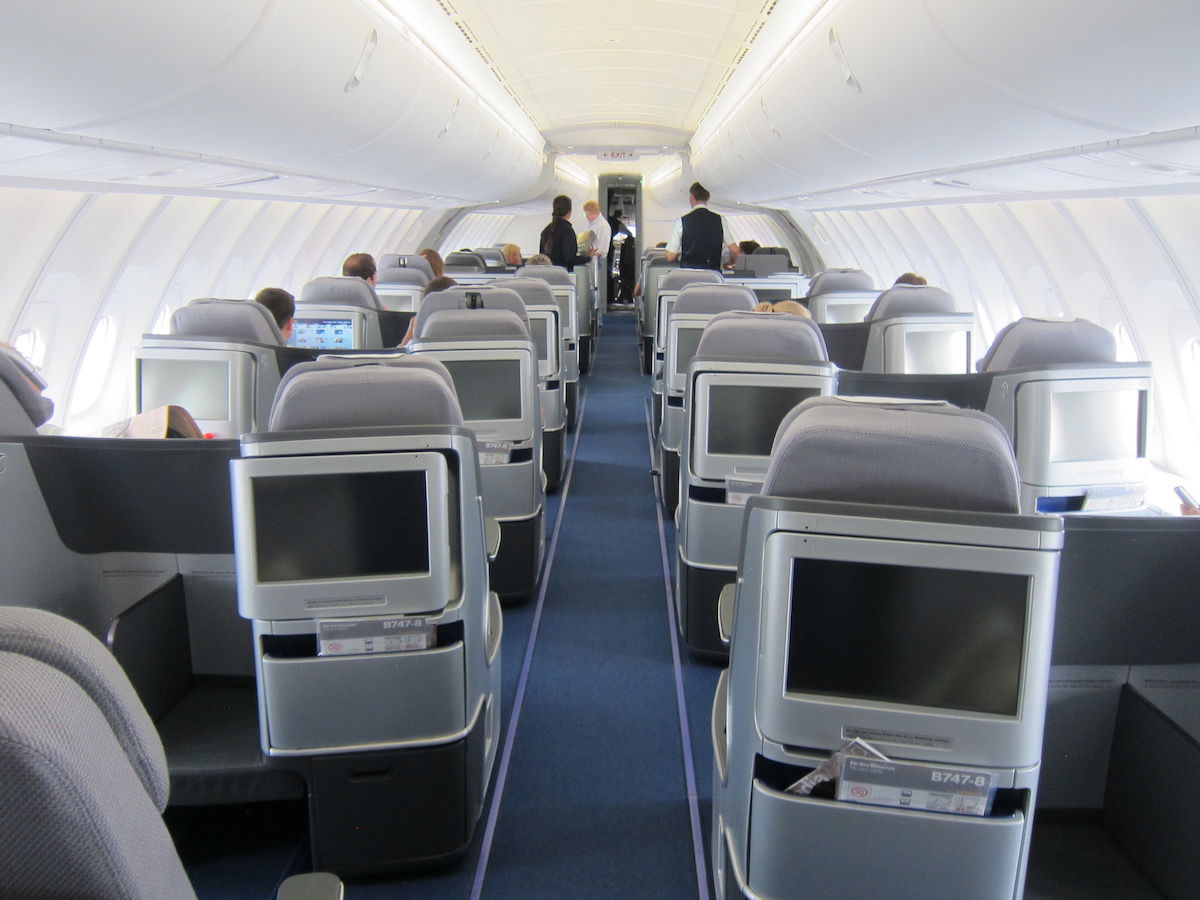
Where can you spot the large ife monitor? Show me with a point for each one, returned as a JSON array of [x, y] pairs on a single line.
[[925, 649], [492, 392], [932, 349], [543, 328], [1083, 431], [339, 535], [736, 417], [564, 296], [400, 297], [323, 333], [840, 307], [215, 386], [683, 339]]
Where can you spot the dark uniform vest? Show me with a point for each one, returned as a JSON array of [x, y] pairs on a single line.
[[703, 237]]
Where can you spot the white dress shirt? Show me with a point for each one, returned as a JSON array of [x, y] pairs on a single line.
[[602, 232]]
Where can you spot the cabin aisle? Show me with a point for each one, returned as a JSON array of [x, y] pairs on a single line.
[[595, 801]]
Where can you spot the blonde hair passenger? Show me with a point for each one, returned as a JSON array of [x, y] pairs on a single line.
[[790, 307]]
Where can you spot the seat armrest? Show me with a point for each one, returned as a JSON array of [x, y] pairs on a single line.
[[312, 886], [726, 604], [491, 537]]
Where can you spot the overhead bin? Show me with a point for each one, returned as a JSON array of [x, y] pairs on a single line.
[[332, 89], [872, 91]]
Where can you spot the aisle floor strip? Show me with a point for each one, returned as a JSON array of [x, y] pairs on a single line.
[[689, 767], [489, 834]]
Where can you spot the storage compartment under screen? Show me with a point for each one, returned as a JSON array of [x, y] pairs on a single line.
[[837, 849], [319, 703]]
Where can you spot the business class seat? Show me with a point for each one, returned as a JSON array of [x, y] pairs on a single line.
[[494, 364], [407, 261], [353, 304], [1077, 417], [749, 371], [400, 288], [562, 283], [23, 409], [693, 308], [466, 262], [654, 267], [669, 286], [545, 327], [840, 295], [221, 362], [85, 776], [362, 555], [919, 329], [887, 591]]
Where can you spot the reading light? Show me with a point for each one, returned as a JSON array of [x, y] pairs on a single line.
[[360, 67]]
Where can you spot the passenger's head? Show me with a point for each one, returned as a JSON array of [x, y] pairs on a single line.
[[697, 193], [434, 259], [793, 308], [360, 265], [561, 207], [748, 247], [591, 209], [440, 284], [539, 259], [911, 278], [511, 254], [282, 306]]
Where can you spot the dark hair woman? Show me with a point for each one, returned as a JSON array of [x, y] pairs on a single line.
[[558, 238]]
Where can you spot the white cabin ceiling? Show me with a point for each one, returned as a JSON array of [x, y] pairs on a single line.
[[638, 74]]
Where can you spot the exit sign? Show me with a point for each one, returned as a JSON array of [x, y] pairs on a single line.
[[617, 155]]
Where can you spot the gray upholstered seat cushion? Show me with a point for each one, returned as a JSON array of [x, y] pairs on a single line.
[[459, 297], [551, 274], [840, 280], [699, 298], [751, 336], [76, 820], [1035, 342], [67, 646], [411, 261], [678, 279], [911, 300], [894, 453], [233, 320], [533, 291], [358, 396], [401, 276], [339, 290], [472, 325]]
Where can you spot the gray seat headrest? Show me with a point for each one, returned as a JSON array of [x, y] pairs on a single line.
[[465, 261], [402, 360], [472, 324], [406, 261], [463, 296], [533, 291], [68, 647], [1036, 342], [911, 300], [840, 280], [363, 396], [339, 290], [24, 401], [401, 276], [894, 453], [750, 336], [552, 274], [699, 298], [231, 320], [681, 278]]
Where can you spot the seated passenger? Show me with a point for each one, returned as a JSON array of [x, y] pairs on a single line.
[[748, 247], [434, 259], [539, 259], [360, 265], [512, 256], [282, 306], [38, 407], [911, 278], [791, 307]]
